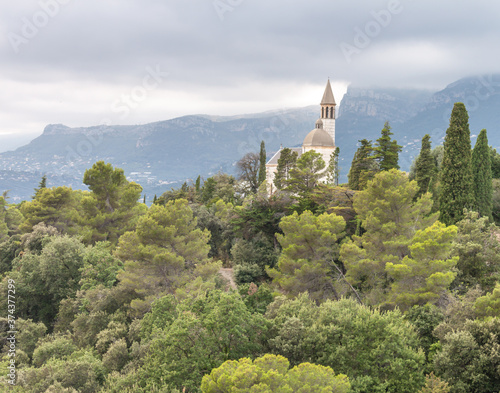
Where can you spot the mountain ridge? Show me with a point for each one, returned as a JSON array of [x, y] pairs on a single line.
[[160, 154]]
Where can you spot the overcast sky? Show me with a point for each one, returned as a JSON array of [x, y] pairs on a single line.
[[89, 62]]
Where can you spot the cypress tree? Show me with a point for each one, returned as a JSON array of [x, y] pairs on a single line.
[[262, 159], [197, 184], [387, 150], [495, 163], [481, 169], [353, 175], [456, 191], [425, 167], [332, 171]]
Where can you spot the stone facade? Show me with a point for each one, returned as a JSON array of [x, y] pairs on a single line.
[[329, 126]]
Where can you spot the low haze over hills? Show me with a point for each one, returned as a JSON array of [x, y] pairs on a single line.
[[164, 154]]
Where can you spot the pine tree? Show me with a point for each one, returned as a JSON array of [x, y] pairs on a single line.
[[162, 252], [262, 159], [425, 167], [112, 207], [481, 169], [309, 244], [41, 185], [425, 274], [363, 166], [286, 162], [304, 177], [456, 190], [390, 218], [387, 150], [434, 384], [270, 373]]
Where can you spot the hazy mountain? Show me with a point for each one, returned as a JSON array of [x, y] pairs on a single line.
[[13, 141], [167, 153], [156, 155], [363, 112], [414, 113], [481, 96]]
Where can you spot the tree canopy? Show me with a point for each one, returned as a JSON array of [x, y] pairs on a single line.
[[456, 191], [425, 167], [363, 166], [286, 162], [162, 253], [481, 169], [305, 175], [270, 373], [390, 219], [221, 287], [309, 249], [387, 150]]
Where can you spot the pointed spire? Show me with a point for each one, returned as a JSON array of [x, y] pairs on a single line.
[[328, 96]]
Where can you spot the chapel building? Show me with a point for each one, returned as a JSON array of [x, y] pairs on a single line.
[[321, 139]]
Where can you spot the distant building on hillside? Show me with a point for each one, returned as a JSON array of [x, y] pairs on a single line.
[[321, 139]]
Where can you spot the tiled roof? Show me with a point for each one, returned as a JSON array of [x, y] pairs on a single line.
[[277, 155]]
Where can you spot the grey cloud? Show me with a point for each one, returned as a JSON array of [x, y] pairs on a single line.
[[257, 39], [112, 42]]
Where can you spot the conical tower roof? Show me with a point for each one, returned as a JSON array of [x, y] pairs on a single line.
[[328, 96]]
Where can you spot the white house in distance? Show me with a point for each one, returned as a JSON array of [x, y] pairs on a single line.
[[321, 139]]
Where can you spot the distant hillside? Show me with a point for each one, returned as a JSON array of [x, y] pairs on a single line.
[[157, 155], [481, 96], [164, 154], [414, 113], [363, 112], [13, 141]]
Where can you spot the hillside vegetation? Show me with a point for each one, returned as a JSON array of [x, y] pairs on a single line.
[[388, 283]]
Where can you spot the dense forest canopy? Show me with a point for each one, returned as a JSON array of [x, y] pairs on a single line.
[[390, 283]]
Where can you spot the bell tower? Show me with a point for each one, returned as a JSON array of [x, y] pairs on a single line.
[[328, 111]]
